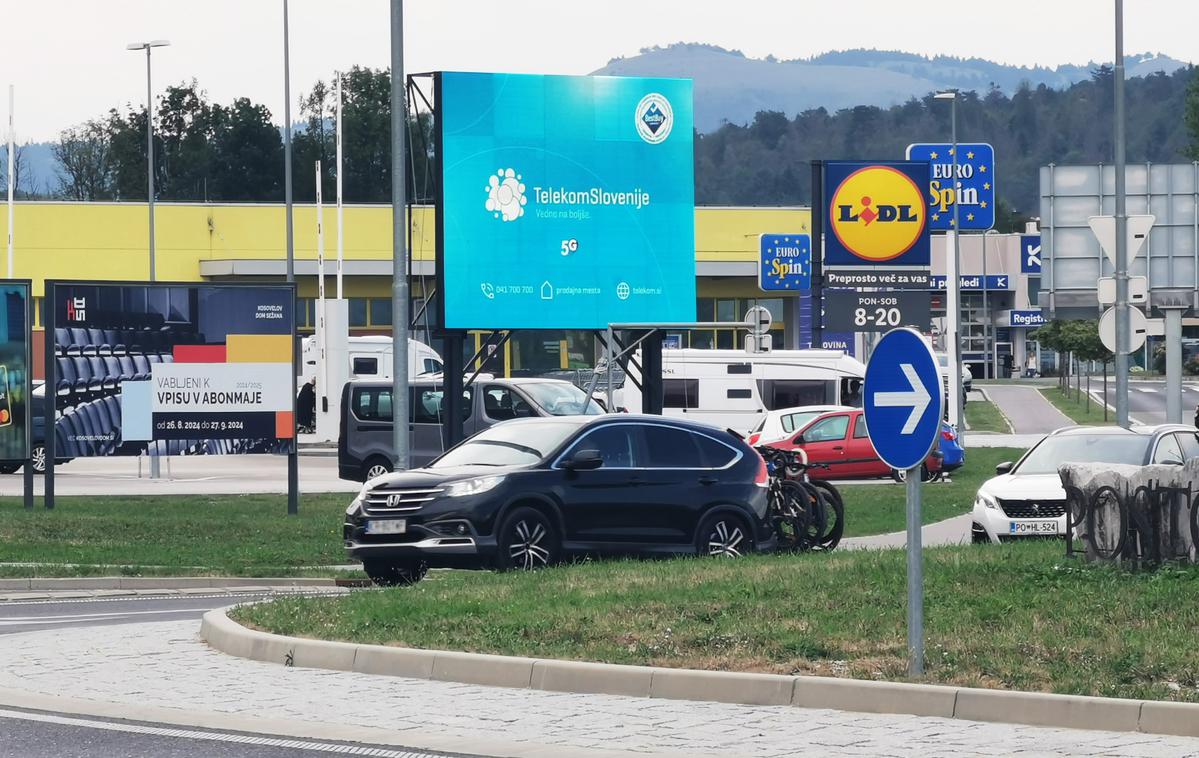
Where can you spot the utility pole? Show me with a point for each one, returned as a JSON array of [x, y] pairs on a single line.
[[340, 222], [1122, 336], [293, 459], [399, 241]]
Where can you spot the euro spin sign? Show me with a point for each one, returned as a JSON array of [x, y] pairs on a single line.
[[876, 214]]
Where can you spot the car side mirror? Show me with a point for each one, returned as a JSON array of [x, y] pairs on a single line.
[[584, 460], [1171, 462], [1004, 467]]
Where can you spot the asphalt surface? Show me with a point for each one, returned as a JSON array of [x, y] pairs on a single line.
[[36, 734], [187, 475], [39, 734], [1026, 409], [34, 615], [1147, 400]]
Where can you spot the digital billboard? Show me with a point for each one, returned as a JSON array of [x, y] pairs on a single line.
[[876, 214], [172, 369], [14, 370], [566, 202]]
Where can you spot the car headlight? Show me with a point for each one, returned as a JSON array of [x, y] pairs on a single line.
[[986, 501], [475, 486]]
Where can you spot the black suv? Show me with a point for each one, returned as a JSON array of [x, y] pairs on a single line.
[[525, 493]]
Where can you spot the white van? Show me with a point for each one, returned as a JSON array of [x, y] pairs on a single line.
[[733, 389], [370, 358]]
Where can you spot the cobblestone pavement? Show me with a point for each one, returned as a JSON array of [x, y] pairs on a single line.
[[166, 664]]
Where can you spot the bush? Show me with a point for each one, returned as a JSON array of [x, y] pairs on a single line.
[[1191, 367]]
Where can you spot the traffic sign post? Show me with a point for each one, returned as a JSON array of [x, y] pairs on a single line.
[[903, 403]]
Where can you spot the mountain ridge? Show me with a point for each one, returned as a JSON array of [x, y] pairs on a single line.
[[840, 79]]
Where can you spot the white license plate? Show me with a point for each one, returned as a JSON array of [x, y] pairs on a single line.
[[1034, 527], [390, 526]]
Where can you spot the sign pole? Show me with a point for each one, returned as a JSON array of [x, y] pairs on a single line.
[[915, 577], [902, 403], [817, 291], [49, 307], [399, 259], [28, 467], [1122, 317]]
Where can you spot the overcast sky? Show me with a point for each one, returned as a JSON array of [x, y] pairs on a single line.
[[68, 62]]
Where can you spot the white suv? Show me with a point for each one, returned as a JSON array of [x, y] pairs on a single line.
[[1026, 499]]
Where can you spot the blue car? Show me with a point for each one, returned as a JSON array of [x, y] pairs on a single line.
[[954, 454]]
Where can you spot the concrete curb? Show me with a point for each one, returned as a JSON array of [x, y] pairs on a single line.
[[1033, 708], [156, 583]]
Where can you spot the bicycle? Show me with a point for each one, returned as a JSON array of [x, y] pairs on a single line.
[[806, 515]]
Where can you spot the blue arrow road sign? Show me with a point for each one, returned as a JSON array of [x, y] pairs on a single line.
[[903, 400]]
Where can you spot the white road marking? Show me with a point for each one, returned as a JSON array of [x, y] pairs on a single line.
[[19, 620], [196, 734]]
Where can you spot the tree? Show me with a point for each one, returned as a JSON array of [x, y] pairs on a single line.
[[1191, 114], [247, 153], [84, 168]]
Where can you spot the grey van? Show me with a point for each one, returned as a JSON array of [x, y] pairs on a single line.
[[364, 448]]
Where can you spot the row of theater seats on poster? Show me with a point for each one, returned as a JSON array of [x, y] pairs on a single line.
[[92, 341], [94, 428]]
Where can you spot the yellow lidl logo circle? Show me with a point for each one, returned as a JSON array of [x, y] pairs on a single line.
[[877, 213]]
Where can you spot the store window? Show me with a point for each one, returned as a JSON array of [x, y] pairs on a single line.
[[1034, 290], [358, 311], [380, 311]]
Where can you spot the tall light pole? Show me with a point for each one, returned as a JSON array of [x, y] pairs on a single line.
[[1122, 336], [953, 269], [147, 46], [12, 139], [293, 460], [291, 254], [399, 242]]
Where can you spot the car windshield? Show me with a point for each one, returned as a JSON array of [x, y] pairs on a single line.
[[1046, 457], [562, 399], [508, 445]]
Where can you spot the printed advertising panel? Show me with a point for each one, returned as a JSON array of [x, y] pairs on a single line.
[[876, 214], [14, 370], [568, 201], [173, 369], [974, 191]]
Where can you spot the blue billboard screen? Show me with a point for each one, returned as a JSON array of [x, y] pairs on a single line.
[[568, 201]]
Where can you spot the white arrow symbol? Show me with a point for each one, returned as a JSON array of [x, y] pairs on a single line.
[[917, 399]]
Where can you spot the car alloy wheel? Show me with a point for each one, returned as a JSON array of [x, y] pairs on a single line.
[[376, 467], [37, 457], [526, 551], [727, 539], [527, 541]]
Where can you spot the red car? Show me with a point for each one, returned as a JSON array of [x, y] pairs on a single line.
[[840, 440]]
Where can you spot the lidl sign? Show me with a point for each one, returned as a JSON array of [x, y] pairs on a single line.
[[876, 213]]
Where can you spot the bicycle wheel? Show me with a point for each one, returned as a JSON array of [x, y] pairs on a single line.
[[793, 517], [834, 520]]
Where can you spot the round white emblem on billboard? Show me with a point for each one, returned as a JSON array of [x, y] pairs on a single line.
[[654, 118], [505, 195]]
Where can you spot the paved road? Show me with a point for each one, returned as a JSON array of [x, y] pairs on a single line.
[[27, 616], [1147, 400], [29, 733], [166, 665], [188, 475], [1026, 409], [37, 734]]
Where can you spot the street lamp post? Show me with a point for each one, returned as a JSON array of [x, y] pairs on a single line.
[[988, 322], [147, 46], [953, 272]]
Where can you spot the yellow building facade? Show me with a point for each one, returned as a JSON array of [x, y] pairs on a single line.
[[246, 242]]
